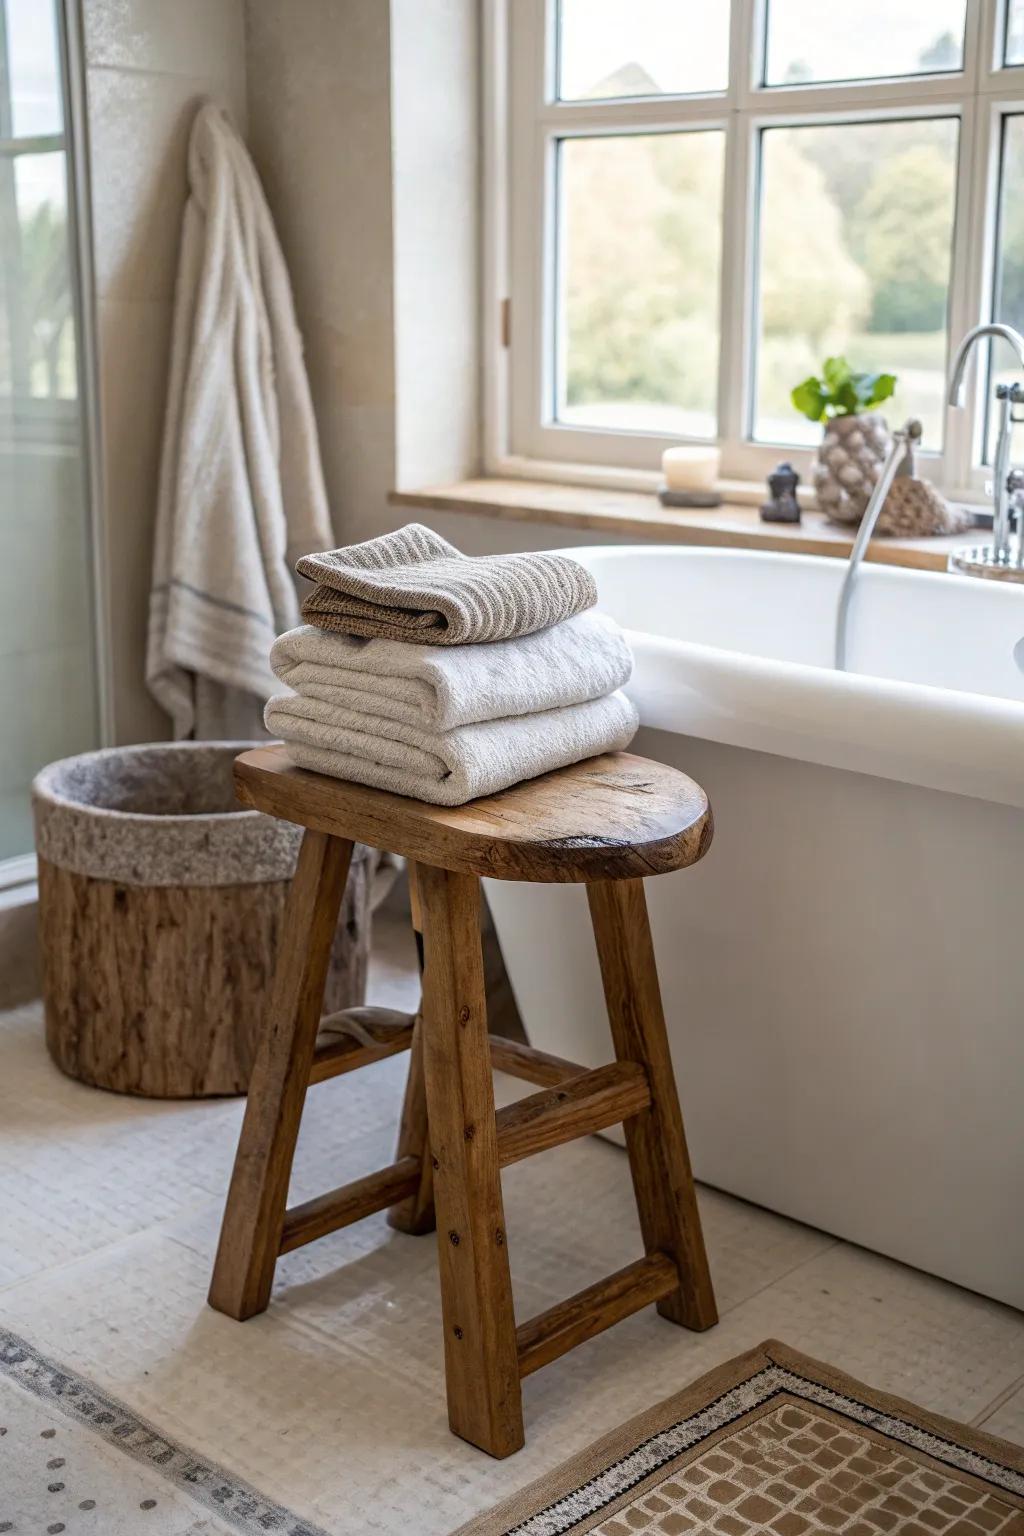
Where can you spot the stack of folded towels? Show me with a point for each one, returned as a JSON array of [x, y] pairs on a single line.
[[430, 674]]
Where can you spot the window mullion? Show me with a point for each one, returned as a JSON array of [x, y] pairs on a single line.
[[737, 311], [735, 327], [970, 280]]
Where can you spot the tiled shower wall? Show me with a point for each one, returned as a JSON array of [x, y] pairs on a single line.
[[148, 64], [363, 117]]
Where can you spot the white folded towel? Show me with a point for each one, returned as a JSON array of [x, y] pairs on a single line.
[[440, 688], [447, 767]]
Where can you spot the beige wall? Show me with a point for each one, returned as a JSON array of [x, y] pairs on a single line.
[[319, 130], [364, 124], [363, 118], [148, 63], [435, 138]]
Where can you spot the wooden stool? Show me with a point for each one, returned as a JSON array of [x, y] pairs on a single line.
[[607, 822]]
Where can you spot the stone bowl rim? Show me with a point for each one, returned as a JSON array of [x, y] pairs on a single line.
[[45, 782]]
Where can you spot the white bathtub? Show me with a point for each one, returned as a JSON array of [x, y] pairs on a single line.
[[844, 972]]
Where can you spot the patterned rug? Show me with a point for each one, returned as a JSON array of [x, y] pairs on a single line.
[[779, 1444], [74, 1460]]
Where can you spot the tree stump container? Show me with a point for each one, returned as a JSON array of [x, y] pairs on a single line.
[[160, 906]]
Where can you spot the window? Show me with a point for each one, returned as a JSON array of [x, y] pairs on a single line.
[[704, 201], [640, 355], [37, 332]]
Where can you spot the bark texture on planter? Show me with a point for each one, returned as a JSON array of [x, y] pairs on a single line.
[[160, 905]]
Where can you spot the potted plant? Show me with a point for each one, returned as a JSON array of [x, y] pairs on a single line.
[[855, 442]]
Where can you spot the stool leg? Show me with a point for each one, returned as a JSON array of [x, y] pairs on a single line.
[[416, 1214], [658, 1159], [481, 1363], [250, 1236]]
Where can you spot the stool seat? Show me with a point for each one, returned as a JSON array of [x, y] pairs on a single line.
[[615, 817]]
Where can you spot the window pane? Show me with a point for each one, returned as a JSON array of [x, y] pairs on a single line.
[[808, 42], [641, 48], [640, 252], [855, 249], [33, 68], [1014, 50], [37, 341], [1004, 368]]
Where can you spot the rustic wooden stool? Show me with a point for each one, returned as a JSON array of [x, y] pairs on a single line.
[[607, 822]]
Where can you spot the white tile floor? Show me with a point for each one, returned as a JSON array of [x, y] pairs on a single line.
[[332, 1403]]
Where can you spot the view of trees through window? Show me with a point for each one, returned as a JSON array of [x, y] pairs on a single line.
[[37, 337], [854, 237], [642, 240], [856, 245]]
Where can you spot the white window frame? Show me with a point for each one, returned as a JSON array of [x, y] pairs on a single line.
[[523, 124]]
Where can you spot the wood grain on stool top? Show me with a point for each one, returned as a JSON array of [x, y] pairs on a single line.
[[613, 817]]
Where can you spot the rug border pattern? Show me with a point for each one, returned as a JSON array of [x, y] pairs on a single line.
[[609, 1485], [221, 1493]]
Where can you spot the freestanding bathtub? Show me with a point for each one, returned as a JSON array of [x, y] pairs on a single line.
[[844, 972]]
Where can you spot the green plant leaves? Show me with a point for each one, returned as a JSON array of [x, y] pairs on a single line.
[[841, 392], [876, 387], [809, 399], [837, 373]]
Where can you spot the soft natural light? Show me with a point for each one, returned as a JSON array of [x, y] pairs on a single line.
[[734, 193], [1015, 32], [33, 61], [641, 238], [642, 47], [856, 244], [37, 344], [809, 42]]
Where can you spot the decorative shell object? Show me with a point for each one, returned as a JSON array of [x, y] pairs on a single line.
[[914, 509], [849, 463]]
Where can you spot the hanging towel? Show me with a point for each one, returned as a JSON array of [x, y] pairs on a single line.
[[442, 687], [241, 490], [414, 585], [447, 767]]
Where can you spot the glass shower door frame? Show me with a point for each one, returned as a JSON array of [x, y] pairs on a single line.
[[83, 420]]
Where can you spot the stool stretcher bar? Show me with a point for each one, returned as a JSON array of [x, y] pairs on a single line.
[[357, 1037], [341, 1207], [585, 1104], [594, 1309]]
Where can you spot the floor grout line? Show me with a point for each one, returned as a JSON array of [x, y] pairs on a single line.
[[835, 1242], [90, 1253], [997, 1402]]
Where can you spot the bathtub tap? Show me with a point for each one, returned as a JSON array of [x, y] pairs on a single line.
[[996, 559], [902, 447]]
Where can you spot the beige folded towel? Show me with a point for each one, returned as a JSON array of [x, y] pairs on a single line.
[[414, 585], [447, 767]]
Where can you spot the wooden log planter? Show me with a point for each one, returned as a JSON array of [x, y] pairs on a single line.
[[160, 903]]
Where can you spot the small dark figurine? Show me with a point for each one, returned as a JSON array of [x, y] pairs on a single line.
[[783, 506]]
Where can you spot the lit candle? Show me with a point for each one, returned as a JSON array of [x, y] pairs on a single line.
[[691, 468]]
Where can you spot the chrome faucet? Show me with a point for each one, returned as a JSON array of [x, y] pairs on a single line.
[[998, 559]]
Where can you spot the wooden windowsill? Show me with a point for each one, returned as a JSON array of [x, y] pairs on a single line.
[[639, 516]]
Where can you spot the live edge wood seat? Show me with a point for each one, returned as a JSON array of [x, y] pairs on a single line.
[[608, 822]]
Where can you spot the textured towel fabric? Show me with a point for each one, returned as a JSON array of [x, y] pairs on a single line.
[[241, 492], [414, 585], [441, 687], [447, 767]]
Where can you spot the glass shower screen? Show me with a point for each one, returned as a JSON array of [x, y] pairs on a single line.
[[48, 701]]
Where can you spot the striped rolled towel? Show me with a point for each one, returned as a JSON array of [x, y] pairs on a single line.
[[414, 585]]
